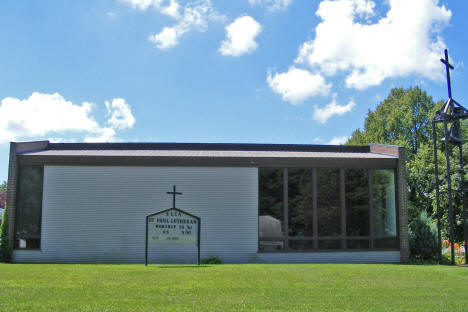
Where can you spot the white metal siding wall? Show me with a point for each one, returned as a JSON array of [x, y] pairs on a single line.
[[332, 257], [97, 214]]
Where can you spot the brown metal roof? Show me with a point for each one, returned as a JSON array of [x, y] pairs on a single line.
[[203, 154]]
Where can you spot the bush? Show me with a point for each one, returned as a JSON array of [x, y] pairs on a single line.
[[212, 260], [5, 247], [423, 238], [419, 261]]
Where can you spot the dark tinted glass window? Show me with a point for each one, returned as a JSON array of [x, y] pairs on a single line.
[[333, 188], [328, 202], [300, 202], [357, 244], [270, 216], [357, 202], [384, 210], [29, 206], [329, 244], [391, 243], [298, 245]]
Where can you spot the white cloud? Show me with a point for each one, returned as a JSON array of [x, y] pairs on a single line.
[[62, 140], [240, 36], [166, 39], [120, 114], [403, 42], [172, 9], [193, 16], [168, 7], [272, 4], [49, 114], [102, 135], [339, 140], [322, 114], [144, 4], [297, 85]]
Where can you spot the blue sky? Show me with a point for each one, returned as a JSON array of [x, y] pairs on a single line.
[[255, 71]]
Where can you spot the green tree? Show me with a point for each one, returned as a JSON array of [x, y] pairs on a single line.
[[404, 118], [5, 246], [4, 187], [423, 238]]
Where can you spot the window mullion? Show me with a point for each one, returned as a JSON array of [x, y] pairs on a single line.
[[314, 208], [371, 208], [343, 209], [285, 208]]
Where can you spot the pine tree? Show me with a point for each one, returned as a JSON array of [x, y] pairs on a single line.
[[5, 247]]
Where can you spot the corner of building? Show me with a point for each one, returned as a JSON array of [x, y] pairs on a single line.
[[399, 152], [11, 191], [15, 149], [403, 205]]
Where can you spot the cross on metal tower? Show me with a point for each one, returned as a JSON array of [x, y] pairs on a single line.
[[448, 67], [452, 112]]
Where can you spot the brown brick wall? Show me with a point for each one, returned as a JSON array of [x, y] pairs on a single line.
[[11, 192], [403, 206], [384, 149]]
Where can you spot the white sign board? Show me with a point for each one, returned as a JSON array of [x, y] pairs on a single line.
[[173, 227]]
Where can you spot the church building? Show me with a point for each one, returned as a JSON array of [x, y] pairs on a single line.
[[257, 203]]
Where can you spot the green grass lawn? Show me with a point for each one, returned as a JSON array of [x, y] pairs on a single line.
[[319, 287]]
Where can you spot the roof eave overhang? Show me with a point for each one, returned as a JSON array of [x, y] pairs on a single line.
[[298, 162]]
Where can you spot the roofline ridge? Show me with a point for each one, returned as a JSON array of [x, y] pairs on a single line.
[[209, 146]]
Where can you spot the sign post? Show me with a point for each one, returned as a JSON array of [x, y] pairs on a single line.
[[173, 227]]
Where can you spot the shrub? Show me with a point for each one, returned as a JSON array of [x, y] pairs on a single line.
[[419, 261], [423, 238], [5, 247], [212, 260]]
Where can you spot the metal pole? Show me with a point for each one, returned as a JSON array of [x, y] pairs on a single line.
[[449, 190], [465, 221], [436, 172], [464, 197], [146, 243], [199, 229]]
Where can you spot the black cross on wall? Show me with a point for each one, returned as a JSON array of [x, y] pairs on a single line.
[[174, 193]]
